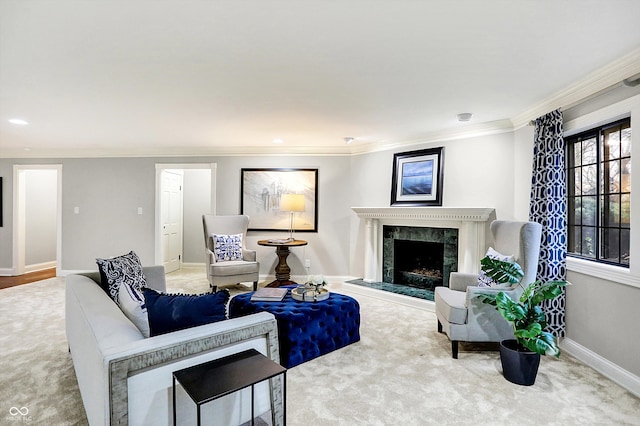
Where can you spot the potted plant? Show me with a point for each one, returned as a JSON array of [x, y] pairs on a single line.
[[521, 357]]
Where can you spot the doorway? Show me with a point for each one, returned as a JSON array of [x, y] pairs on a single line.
[[37, 204], [183, 193]]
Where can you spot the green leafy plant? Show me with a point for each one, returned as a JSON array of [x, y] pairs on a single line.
[[500, 271], [525, 314]]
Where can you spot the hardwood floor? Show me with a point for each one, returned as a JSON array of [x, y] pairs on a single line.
[[6, 282]]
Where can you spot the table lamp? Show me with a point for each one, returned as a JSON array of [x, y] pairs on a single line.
[[291, 203]]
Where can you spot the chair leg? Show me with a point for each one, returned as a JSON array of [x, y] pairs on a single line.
[[255, 285], [439, 327], [454, 349]]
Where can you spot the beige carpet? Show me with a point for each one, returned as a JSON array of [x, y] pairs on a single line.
[[400, 373]]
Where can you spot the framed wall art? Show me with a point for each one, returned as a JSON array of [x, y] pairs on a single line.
[[262, 192], [417, 178]]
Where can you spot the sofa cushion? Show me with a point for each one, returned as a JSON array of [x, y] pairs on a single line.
[[227, 247], [172, 312], [132, 303], [118, 270]]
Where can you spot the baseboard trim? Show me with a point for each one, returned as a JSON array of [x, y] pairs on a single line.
[[6, 272], [39, 266], [627, 380]]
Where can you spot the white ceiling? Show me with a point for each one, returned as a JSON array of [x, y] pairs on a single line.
[[116, 77]]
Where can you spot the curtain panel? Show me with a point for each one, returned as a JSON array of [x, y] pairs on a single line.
[[548, 207]]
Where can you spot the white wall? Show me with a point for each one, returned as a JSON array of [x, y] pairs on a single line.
[[478, 172]]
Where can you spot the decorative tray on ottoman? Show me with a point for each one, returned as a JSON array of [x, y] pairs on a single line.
[[304, 293]]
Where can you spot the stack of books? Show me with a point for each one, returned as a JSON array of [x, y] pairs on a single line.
[[269, 294]]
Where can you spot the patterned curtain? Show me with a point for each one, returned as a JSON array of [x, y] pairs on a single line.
[[548, 207]]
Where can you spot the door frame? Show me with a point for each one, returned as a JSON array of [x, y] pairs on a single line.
[[19, 231], [160, 167]]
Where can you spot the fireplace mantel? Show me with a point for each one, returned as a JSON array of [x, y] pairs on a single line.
[[472, 224]]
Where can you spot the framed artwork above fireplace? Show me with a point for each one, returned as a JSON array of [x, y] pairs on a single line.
[[417, 178]]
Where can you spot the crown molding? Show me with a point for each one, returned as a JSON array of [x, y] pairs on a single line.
[[458, 133], [172, 152], [593, 84]]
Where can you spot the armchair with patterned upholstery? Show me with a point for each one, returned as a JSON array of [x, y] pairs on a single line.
[[228, 259], [464, 317]]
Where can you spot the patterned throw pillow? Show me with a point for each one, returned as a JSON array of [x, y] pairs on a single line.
[[118, 270], [227, 247], [484, 280], [172, 312], [133, 306]]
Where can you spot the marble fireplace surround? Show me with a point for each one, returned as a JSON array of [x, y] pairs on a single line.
[[472, 224]]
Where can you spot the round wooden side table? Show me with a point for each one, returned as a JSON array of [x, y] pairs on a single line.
[[283, 271]]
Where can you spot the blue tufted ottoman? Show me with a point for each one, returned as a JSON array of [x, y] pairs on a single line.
[[306, 330]]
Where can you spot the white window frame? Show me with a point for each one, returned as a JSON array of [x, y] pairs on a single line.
[[629, 107]]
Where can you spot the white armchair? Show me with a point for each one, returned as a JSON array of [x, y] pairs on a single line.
[[231, 271], [461, 315]]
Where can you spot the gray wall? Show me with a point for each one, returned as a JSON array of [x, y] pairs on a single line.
[[41, 200], [108, 192], [196, 202], [603, 317]]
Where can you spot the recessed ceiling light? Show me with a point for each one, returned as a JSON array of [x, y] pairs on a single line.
[[26, 148], [348, 139], [465, 116], [18, 121], [278, 141]]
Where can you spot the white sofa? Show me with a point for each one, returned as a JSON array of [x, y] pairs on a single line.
[[125, 378]]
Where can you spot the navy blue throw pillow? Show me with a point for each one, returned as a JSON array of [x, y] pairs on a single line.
[[172, 312]]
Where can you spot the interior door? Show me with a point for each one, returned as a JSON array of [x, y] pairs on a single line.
[[171, 220]]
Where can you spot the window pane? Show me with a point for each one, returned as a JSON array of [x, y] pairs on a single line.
[[625, 210], [575, 239], [577, 211], [625, 237], [575, 154], [610, 245], [589, 151], [611, 174], [588, 242], [588, 211], [577, 179], [612, 143], [611, 210], [589, 182], [626, 142], [625, 175]]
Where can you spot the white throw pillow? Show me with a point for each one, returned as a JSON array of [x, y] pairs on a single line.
[[484, 280], [133, 306]]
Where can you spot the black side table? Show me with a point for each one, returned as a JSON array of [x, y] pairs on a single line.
[[215, 379]]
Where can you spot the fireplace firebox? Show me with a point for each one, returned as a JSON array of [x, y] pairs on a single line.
[[419, 257], [418, 264]]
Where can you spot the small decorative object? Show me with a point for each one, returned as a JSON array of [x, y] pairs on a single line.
[[417, 178], [311, 291], [520, 357]]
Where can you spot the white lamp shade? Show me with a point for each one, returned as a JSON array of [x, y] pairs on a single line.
[[292, 202]]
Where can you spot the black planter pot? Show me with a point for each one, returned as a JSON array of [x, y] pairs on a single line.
[[518, 367]]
